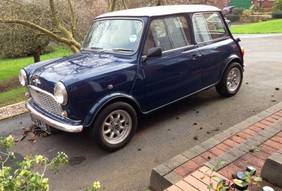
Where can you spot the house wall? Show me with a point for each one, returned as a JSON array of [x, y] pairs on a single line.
[[222, 3], [265, 3]]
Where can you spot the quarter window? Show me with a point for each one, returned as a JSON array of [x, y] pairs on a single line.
[[168, 33], [208, 26]]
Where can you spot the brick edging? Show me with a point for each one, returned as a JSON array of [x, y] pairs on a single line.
[[165, 174]]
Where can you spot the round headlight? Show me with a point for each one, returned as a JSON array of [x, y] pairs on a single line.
[[23, 77], [60, 93]]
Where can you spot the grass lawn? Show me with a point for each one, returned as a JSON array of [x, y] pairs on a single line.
[[12, 96], [9, 68], [266, 27], [10, 89]]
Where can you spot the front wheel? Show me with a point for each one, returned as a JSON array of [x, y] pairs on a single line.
[[231, 80], [115, 126]]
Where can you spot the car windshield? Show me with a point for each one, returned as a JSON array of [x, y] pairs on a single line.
[[120, 36]]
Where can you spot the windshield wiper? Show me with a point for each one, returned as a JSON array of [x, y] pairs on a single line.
[[96, 48], [99, 49], [122, 50], [92, 48]]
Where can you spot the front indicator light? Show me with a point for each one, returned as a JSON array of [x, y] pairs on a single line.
[[64, 114], [27, 95]]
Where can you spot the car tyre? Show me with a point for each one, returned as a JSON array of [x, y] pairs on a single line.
[[231, 80], [115, 126]]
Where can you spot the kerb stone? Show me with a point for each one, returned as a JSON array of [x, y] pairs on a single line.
[[272, 169]]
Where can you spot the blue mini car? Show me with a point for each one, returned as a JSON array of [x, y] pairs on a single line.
[[133, 62]]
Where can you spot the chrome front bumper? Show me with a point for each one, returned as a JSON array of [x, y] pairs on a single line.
[[53, 123]]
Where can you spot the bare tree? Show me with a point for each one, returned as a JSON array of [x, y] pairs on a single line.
[[63, 28], [87, 11], [112, 5], [117, 5]]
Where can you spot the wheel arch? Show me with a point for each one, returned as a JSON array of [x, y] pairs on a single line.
[[107, 100], [231, 60], [231, 80]]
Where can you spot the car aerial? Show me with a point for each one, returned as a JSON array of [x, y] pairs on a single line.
[[132, 63]]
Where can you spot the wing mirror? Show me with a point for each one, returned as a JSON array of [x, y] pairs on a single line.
[[152, 52]]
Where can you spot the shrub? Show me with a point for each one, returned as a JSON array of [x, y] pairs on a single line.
[[233, 18], [245, 17], [236, 14], [277, 6], [17, 40], [22, 176], [238, 11], [256, 8], [277, 15], [248, 179], [22, 42]]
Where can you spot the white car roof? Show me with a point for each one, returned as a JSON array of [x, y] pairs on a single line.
[[160, 10]]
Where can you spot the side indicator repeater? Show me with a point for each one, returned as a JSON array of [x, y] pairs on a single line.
[[243, 51]]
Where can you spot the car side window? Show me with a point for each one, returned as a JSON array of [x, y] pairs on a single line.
[[208, 26], [168, 33]]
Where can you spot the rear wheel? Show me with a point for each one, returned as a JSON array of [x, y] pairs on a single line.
[[231, 80], [115, 126]]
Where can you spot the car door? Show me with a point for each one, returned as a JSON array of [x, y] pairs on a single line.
[[176, 72], [213, 43]]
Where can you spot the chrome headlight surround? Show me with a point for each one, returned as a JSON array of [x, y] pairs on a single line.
[[60, 93], [23, 77]]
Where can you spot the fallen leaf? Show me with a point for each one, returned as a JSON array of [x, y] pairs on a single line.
[[32, 140], [20, 138]]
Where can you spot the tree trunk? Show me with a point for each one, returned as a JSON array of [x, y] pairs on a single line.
[[36, 57], [112, 5], [159, 3]]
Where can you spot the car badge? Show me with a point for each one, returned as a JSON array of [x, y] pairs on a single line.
[[36, 81]]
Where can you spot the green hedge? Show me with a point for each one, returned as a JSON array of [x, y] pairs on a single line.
[[277, 6], [277, 15], [238, 11], [233, 18]]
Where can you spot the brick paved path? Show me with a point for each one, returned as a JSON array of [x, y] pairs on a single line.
[[193, 175], [247, 144]]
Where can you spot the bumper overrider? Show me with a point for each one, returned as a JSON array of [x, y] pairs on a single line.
[[63, 124]]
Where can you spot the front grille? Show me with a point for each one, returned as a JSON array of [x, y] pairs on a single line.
[[45, 100]]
